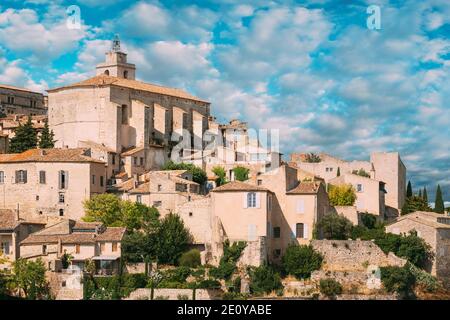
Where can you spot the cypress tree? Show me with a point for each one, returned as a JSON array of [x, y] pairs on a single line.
[[420, 193], [409, 190], [425, 195], [25, 138], [339, 172], [439, 203], [46, 141]]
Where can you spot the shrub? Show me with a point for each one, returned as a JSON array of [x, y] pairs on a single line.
[[227, 264], [208, 284], [330, 287], [425, 280], [198, 175], [221, 175], [264, 279], [190, 259], [398, 279], [312, 158], [334, 227], [300, 261], [241, 173], [361, 172], [369, 220], [343, 195], [182, 297]]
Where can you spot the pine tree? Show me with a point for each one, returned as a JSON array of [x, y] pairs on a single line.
[[46, 141], [409, 192], [439, 203], [425, 195], [339, 172], [25, 138]]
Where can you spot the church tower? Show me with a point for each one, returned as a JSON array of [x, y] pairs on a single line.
[[116, 64]]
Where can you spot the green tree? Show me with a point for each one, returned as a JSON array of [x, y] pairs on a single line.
[[409, 192], [398, 279], [190, 259], [330, 287], [361, 172], [439, 202], [241, 173], [413, 204], [420, 193], [343, 195], [29, 277], [264, 279], [334, 227], [46, 140], [415, 250], [312, 158], [25, 138], [220, 174], [173, 239], [301, 261], [198, 175], [338, 172], [425, 194]]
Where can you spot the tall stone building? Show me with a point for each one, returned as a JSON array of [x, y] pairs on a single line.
[[115, 110], [14, 100]]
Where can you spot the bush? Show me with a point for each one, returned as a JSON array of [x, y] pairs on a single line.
[[227, 264], [398, 279], [334, 227], [208, 284], [300, 261], [241, 173], [221, 175], [369, 220], [424, 280], [264, 279], [330, 287], [190, 259], [343, 195], [198, 175]]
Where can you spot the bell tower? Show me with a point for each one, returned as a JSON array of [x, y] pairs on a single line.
[[116, 64]]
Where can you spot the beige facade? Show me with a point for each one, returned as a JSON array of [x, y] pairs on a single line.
[[434, 228], [9, 124], [50, 182], [14, 100]]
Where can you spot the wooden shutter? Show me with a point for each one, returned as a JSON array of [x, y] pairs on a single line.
[[24, 176], [305, 231], [17, 176], [67, 179], [245, 206], [258, 199]]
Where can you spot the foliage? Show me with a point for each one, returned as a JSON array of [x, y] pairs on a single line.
[[333, 227], [330, 287], [29, 277], [300, 261], [25, 138], [369, 220], [361, 172], [112, 211], [398, 279], [409, 192], [172, 239], [264, 279], [66, 259], [113, 287], [135, 247], [221, 175], [47, 140], [424, 280], [343, 195], [439, 202], [227, 264], [190, 259], [312, 158], [198, 175], [241, 173], [415, 203], [425, 194]]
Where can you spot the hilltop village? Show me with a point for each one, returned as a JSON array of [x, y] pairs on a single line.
[[254, 222]]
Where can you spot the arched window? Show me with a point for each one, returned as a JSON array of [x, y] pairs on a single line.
[[107, 72], [125, 74]]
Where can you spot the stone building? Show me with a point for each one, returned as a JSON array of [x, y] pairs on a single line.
[[115, 110], [386, 167], [434, 228], [10, 123], [14, 100], [50, 183]]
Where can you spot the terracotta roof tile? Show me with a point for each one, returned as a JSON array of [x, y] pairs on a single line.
[[305, 187], [239, 186], [131, 151], [104, 80], [49, 155], [6, 86], [112, 234], [8, 219]]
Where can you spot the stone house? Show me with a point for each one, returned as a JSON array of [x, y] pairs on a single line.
[[9, 125], [366, 190], [14, 100], [81, 240], [13, 229], [50, 182], [382, 166], [434, 228]]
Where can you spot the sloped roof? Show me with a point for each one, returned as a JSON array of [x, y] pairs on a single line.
[[104, 80], [239, 186], [423, 217], [111, 234], [49, 155], [95, 145], [8, 220], [305, 187], [7, 86], [131, 151]]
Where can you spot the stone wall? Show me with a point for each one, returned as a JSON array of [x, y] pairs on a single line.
[[350, 212], [175, 294], [254, 254], [133, 268], [353, 255]]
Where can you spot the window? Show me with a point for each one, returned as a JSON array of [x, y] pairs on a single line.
[[63, 179], [190, 214], [113, 159], [301, 206], [359, 187], [102, 181], [114, 247], [159, 187], [93, 179], [37, 197], [135, 161], [10, 100], [61, 212], [142, 161], [21, 176], [102, 247], [329, 169], [61, 197], [5, 247], [251, 200], [2, 177], [42, 177], [107, 72], [300, 230], [77, 248], [157, 203], [44, 249], [276, 232], [139, 198], [125, 74], [259, 182]]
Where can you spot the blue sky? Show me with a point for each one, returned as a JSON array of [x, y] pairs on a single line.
[[311, 69]]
